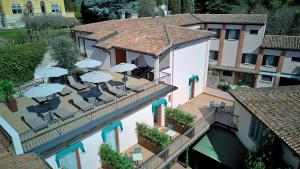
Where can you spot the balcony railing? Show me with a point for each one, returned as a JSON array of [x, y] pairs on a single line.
[[31, 140], [184, 140]]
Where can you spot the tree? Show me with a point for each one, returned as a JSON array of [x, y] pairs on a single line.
[[100, 10], [175, 6], [146, 7], [65, 51], [220, 6], [188, 6], [281, 21]]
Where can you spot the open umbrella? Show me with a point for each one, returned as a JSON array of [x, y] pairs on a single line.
[[50, 72], [96, 77], [44, 90], [88, 63], [122, 68]]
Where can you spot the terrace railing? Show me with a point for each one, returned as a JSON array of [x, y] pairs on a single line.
[[31, 139], [183, 141]]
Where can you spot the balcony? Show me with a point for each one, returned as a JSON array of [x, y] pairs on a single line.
[[206, 117], [82, 122]]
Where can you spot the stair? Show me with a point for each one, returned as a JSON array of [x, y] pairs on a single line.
[[25, 161]]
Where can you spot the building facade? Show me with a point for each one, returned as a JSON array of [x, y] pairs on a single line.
[[12, 11]]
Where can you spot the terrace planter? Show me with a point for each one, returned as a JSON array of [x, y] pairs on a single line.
[[12, 105], [176, 126], [105, 166], [149, 145]]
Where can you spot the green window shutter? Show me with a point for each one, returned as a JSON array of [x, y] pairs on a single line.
[[110, 128], [66, 151]]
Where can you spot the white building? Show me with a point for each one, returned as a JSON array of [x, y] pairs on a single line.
[[273, 108]]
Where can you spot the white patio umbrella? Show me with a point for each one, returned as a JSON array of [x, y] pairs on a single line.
[[50, 72], [122, 68], [96, 77], [88, 63], [44, 90]]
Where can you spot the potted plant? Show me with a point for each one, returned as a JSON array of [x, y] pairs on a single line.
[[7, 93]]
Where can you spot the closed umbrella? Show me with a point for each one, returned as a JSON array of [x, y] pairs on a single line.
[[44, 90], [50, 72], [122, 68], [88, 63]]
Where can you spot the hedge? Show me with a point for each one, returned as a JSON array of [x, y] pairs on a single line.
[[175, 6], [184, 119], [18, 62], [153, 135], [113, 159]]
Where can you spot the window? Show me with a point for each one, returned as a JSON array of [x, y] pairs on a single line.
[[249, 58], [16, 8], [266, 78], [270, 60], [217, 31], [213, 55], [54, 7], [256, 130], [82, 45], [233, 34], [70, 160], [296, 59], [227, 73], [253, 32]]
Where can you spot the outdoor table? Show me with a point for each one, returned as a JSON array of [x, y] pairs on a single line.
[[136, 157], [171, 133]]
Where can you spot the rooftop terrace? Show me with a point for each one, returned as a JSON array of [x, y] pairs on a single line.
[[100, 114]]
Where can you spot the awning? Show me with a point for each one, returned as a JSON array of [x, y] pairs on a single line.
[[193, 78], [223, 146], [158, 103], [110, 128], [67, 151]]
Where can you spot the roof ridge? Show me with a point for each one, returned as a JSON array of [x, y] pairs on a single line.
[[167, 33]]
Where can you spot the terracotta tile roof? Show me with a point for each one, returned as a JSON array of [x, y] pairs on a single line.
[[233, 18], [278, 108], [146, 35], [99, 35], [281, 42]]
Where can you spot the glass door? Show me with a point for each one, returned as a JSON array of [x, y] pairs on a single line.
[[69, 161], [111, 139]]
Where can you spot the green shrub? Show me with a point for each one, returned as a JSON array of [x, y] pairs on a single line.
[[113, 159], [175, 6], [18, 62], [224, 86], [153, 135], [184, 119], [6, 90]]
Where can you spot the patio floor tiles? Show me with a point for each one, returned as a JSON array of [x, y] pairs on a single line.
[[146, 153]]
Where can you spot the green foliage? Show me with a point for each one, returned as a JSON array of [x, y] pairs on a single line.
[[175, 6], [224, 86], [95, 10], [6, 90], [65, 51], [188, 6], [19, 62], [146, 7], [184, 119], [220, 6], [70, 5], [153, 135], [113, 159]]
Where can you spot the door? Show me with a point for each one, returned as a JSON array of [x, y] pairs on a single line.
[[111, 140], [120, 56], [43, 7]]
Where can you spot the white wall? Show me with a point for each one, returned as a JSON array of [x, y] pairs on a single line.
[[13, 134], [189, 59], [97, 54], [214, 42], [127, 138], [289, 158], [243, 124], [230, 49], [252, 42], [290, 66]]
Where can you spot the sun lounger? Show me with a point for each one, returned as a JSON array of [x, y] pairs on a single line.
[[63, 113], [76, 85], [134, 87], [80, 103], [34, 121], [114, 90], [40, 99], [65, 91], [104, 96]]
